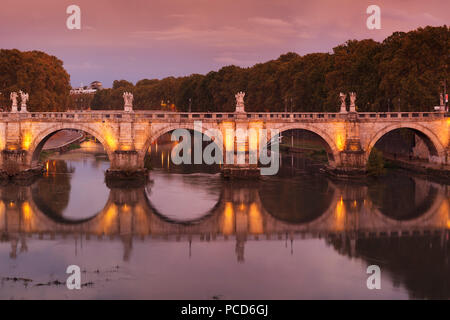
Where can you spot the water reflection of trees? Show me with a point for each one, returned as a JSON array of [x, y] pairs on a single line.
[[419, 263], [297, 200], [51, 193], [402, 197]]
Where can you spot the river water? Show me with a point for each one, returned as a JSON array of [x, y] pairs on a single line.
[[188, 234]]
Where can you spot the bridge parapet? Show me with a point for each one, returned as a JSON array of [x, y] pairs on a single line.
[[167, 115]]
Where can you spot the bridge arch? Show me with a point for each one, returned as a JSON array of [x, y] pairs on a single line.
[[330, 144], [41, 137], [163, 130], [435, 147]]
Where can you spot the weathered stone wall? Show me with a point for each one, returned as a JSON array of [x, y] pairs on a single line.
[[127, 136]]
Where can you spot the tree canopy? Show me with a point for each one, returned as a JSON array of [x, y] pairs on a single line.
[[402, 73], [37, 73]]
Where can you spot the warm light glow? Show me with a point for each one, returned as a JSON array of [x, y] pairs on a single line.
[[2, 214], [109, 218], [26, 141], [229, 139], [255, 220], [340, 215], [26, 209], [126, 147], [340, 144], [253, 140], [228, 219], [141, 223], [110, 138], [89, 144], [27, 216], [125, 208]]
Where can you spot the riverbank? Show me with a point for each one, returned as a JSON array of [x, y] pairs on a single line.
[[433, 171]]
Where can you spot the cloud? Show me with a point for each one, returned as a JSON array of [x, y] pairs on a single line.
[[220, 37], [269, 22]]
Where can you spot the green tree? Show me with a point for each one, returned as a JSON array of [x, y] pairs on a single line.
[[37, 73], [375, 164]]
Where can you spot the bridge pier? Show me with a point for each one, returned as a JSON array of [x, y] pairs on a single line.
[[126, 168], [237, 148], [14, 164]]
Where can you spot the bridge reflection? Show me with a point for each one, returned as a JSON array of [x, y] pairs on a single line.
[[348, 216]]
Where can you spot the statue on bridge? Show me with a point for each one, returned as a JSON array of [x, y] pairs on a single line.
[[240, 107], [128, 101], [13, 97], [343, 96], [352, 102], [24, 97]]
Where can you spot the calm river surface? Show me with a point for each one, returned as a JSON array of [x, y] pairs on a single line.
[[189, 234]]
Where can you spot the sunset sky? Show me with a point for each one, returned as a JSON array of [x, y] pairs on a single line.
[[138, 39]]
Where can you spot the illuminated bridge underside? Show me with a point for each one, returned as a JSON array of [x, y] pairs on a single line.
[[127, 136]]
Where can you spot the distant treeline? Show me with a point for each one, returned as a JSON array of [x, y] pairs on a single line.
[[404, 72], [401, 73]]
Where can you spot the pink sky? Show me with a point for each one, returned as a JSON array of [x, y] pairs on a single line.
[[138, 39]]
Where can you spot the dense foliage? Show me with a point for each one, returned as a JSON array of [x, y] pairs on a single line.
[[403, 72], [37, 73]]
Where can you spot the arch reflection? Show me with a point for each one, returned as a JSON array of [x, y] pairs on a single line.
[[240, 213], [402, 197]]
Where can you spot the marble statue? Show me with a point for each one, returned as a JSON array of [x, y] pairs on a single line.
[[352, 102], [240, 107], [343, 96], [13, 97], [128, 101], [24, 97]]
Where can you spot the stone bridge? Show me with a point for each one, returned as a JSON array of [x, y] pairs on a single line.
[[239, 214], [126, 136]]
